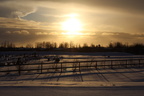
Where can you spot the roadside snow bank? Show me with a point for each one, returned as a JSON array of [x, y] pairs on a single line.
[[71, 84]]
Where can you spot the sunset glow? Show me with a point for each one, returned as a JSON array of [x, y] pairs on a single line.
[[72, 25], [92, 21]]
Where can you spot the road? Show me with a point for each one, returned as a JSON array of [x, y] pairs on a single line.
[[71, 91]]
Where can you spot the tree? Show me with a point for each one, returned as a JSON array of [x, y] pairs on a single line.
[[85, 45], [29, 46], [72, 45], [92, 45], [110, 45], [61, 45], [7, 44]]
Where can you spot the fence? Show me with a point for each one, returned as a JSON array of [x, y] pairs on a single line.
[[70, 66]]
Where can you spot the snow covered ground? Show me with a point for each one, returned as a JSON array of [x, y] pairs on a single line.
[[93, 82], [106, 77], [91, 77]]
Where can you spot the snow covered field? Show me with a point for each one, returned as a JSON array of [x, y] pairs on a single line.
[[102, 81], [91, 77]]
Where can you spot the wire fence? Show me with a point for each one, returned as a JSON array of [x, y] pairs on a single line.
[[42, 67]]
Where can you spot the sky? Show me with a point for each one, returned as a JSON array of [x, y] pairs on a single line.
[[78, 21]]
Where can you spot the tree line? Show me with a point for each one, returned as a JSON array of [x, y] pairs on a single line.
[[136, 48], [47, 45]]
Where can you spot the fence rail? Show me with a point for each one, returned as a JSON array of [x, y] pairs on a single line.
[[71, 66]]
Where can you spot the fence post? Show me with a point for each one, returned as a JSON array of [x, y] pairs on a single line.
[[96, 65], [61, 67], [41, 66], [56, 67], [8, 70], [19, 69], [79, 66], [104, 64], [111, 64], [126, 64], [18, 63], [139, 63], [131, 63]]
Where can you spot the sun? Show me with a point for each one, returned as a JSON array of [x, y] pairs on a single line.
[[72, 25]]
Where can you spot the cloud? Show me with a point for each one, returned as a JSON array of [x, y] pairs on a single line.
[[15, 9], [21, 8], [105, 20], [21, 32], [18, 23], [110, 33], [41, 33], [129, 6]]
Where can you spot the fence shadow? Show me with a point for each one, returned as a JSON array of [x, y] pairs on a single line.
[[59, 75]]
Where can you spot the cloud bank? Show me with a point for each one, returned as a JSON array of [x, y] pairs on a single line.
[[39, 20]]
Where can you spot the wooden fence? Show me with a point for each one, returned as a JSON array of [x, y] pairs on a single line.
[[71, 66]]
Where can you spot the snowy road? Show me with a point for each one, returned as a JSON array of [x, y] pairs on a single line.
[[71, 91]]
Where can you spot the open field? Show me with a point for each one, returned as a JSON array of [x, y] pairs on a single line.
[[122, 67], [76, 74]]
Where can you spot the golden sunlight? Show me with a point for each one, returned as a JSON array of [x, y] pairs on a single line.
[[72, 25]]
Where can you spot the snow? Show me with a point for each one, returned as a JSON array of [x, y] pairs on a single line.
[[89, 78]]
